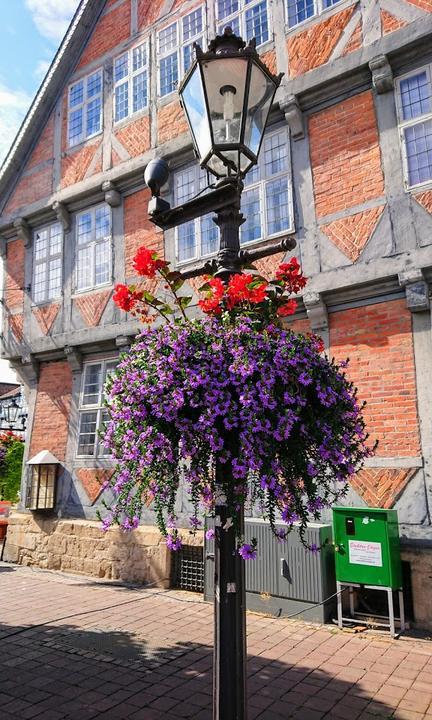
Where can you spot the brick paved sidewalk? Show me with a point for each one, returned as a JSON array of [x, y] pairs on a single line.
[[73, 647]]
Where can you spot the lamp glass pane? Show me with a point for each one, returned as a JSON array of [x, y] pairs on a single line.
[[226, 108], [195, 106], [261, 93]]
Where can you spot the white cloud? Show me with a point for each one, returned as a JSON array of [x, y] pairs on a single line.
[[13, 107], [52, 17], [41, 70]]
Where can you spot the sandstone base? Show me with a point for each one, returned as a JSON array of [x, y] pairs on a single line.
[[80, 546]]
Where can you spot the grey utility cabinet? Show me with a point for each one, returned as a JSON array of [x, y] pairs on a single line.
[[285, 578]]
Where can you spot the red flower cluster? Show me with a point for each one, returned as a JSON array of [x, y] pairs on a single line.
[[147, 262], [245, 288], [288, 309], [291, 276], [125, 298], [212, 302]]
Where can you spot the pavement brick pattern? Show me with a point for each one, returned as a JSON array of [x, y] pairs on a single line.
[[74, 647]]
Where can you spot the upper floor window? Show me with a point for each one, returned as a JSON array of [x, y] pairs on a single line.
[[300, 10], [175, 49], [85, 108], [415, 125], [92, 415], [266, 201], [47, 263], [248, 18], [130, 82], [93, 248], [267, 198]]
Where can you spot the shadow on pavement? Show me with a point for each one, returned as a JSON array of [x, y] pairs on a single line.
[[60, 671]]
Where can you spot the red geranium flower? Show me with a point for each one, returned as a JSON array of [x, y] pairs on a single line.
[[239, 290], [288, 308], [212, 302], [125, 298], [291, 275], [147, 262]]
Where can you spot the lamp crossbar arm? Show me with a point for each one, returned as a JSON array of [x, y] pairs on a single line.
[[166, 217]]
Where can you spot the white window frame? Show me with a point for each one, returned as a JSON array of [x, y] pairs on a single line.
[[98, 450], [261, 185], [403, 124], [244, 6], [181, 44], [46, 260], [129, 78], [319, 9], [92, 243], [83, 107]]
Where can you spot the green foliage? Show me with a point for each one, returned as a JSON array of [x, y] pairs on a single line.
[[11, 459]]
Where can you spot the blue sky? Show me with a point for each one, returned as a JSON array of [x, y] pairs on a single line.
[[30, 33]]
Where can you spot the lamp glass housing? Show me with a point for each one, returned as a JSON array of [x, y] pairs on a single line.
[[42, 487], [227, 96]]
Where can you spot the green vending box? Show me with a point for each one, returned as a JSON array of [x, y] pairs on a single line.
[[367, 546]]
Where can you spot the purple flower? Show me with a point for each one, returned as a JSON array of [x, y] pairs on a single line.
[[210, 534], [173, 542], [247, 552]]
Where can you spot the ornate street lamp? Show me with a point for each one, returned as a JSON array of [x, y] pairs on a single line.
[[227, 96], [10, 413], [41, 491]]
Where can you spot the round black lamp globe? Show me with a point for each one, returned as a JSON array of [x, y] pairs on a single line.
[[227, 95]]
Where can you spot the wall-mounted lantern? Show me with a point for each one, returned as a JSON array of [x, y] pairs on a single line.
[[41, 491]]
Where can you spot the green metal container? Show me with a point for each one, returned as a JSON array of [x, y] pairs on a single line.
[[367, 546]]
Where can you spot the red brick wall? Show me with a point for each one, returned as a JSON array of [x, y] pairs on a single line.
[[423, 4], [312, 47], [390, 23], [31, 188], [138, 230], [148, 12], [15, 274], [50, 424], [44, 149], [111, 29], [75, 165], [135, 137], [379, 342], [171, 122], [345, 155]]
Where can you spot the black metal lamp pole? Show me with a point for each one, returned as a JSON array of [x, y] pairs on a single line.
[[227, 123]]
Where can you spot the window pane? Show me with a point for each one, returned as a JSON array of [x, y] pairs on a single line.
[[234, 23], [329, 3], [102, 222], [418, 141], [188, 54], [168, 38], [102, 451], [87, 433], [84, 226], [92, 384], [55, 239], [75, 126], [226, 8], [185, 186], [39, 284], [121, 67], [186, 245], [275, 154], [253, 175], [121, 101], [139, 57], [102, 262], [139, 91], [84, 267], [94, 84], [41, 244], [415, 96], [277, 200], [192, 24], [76, 94], [299, 10], [250, 206], [94, 117], [54, 281], [209, 235], [168, 74], [256, 23]]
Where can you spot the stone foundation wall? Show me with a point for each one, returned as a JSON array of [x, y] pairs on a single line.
[[79, 546]]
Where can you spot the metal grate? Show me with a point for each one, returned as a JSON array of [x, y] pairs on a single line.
[[188, 569]]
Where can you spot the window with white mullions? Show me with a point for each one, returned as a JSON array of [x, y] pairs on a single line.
[[47, 263], [248, 18], [200, 237], [85, 108], [175, 49], [93, 248], [414, 103], [130, 82], [301, 10], [267, 198], [92, 414]]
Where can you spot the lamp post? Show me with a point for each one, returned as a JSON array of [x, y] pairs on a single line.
[[227, 96]]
